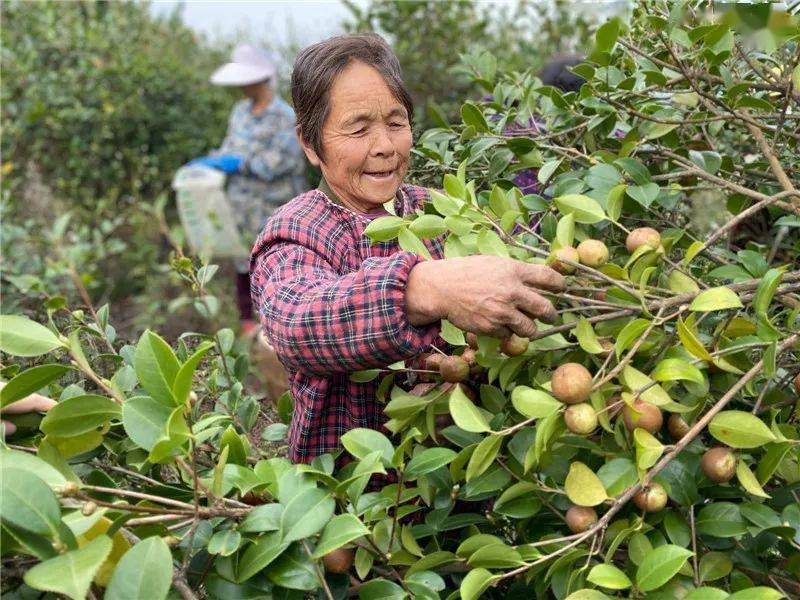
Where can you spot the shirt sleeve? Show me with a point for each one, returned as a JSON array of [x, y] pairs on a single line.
[[274, 157], [322, 323]]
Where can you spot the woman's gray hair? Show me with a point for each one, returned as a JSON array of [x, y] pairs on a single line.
[[316, 68]]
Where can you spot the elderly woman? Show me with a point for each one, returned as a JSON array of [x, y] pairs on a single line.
[[330, 301], [260, 154]]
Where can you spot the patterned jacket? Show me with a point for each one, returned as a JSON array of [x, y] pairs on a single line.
[[274, 165], [332, 303]]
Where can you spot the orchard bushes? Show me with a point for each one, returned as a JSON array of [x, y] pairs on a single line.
[[644, 445]]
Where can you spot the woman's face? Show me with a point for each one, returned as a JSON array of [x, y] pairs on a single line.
[[366, 139]]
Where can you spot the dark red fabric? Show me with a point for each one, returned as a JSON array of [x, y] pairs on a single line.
[[331, 303], [243, 297]]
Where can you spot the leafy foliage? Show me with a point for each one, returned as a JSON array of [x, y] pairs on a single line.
[[470, 489]]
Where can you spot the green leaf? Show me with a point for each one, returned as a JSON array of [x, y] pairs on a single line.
[[472, 115], [28, 502], [583, 208], [156, 367], [34, 465], [225, 542], [475, 583], [757, 593], [632, 331], [454, 187], [739, 429], [465, 414], [587, 594], [617, 475], [259, 554], [306, 514], [495, 556], [533, 403], [80, 414], [719, 298], [675, 369], [266, 517], [383, 229], [659, 566], [30, 381], [145, 420], [490, 243], [451, 334], [608, 576], [587, 339], [19, 336], [341, 530], [721, 519], [143, 573], [183, 380], [381, 589], [714, 565], [427, 461], [606, 36], [294, 570], [706, 593], [749, 481], [444, 205], [362, 442], [583, 487], [428, 226], [518, 501], [648, 448], [565, 231], [654, 131], [71, 573], [483, 456], [409, 242]]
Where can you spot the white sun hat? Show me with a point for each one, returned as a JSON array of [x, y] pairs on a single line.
[[248, 65]]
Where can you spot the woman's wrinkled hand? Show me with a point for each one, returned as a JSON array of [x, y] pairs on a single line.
[[487, 295]]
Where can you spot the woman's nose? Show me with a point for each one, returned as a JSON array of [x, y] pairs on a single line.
[[382, 144]]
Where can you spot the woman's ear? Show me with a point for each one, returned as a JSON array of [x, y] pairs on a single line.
[[311, 155]]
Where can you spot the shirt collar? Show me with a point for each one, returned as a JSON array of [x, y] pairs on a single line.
[[326, 189]]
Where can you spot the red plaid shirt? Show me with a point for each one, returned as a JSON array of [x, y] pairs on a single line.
[[331, 303]]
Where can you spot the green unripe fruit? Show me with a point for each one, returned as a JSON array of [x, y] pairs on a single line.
[[571, 383], [592, 253], [515, 345], [558, 257], [718, 464], [652, 498], [454, 369], [580, 518], [643, 236], [580, 418]]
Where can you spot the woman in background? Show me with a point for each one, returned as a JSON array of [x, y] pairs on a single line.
[[260, 154]]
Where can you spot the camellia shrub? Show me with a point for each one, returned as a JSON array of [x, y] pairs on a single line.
[[644, 445]]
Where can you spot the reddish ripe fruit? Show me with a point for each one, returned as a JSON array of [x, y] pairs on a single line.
[[580, 418], [643, 236], [562, 254], [593, 253], [454, 369], [599, 295], [468, 355], [644, 416], [432, 363], [718, 464], [677, 426], [580, 518], [651, 499], [571, 383], [472, 340], [338, 561], [254, 499], [442, 421], [515, 345], [797, 384]]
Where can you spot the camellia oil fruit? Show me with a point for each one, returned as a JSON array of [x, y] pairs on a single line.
[[642, 415], [571, 383], [642, 236], [558, 258], [580, 518], [454, 369], [580, 418], [339, 560], [592, 253], [652, 498], [514, 345], [718, 464]]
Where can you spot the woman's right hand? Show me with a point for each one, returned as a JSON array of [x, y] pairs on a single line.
[[487, 295]]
